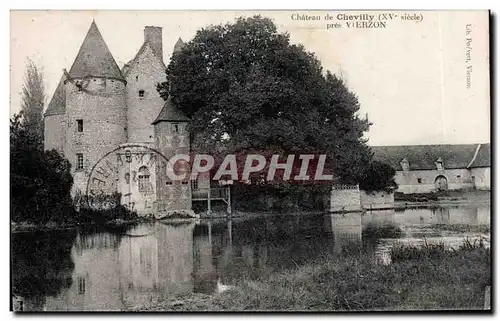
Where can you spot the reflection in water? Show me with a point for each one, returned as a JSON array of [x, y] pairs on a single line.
[[111, 270], [42, 266]]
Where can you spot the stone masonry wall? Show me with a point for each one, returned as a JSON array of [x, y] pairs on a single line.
[[145, 74], [408, 181], [345, 198], [54, 132]]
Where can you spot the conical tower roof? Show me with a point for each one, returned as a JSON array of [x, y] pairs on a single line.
[[94, 58], [170, 112], [179, 45], [57, 105]]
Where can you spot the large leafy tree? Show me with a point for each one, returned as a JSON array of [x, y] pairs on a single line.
[[247, 88]]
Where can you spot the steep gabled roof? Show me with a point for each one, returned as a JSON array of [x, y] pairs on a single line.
[[94, 58], [170, 112], [483, 157], [57, 105], [424, 157], [126, 68]]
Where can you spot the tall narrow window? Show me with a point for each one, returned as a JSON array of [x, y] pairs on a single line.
[[143, 179], [141, 93], [81, 285], [175, 127], [79, 123], [79, 161]]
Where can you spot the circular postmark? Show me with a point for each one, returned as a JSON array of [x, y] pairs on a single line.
[[127, 176]]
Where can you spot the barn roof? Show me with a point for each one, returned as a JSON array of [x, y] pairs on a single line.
[[94, 58], [57, 105], [424, 157], [483, 157]]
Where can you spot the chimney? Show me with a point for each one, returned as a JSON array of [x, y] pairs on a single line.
[[153, 35]]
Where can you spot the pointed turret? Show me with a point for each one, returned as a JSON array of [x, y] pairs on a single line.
[[179, 45], [171, 113], [94, 58]]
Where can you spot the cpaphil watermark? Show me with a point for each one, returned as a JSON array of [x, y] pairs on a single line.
[[136, 172]]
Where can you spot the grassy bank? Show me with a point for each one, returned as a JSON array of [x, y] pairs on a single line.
[[429, 277]]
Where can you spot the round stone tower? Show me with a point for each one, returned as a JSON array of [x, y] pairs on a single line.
[[96, 111]]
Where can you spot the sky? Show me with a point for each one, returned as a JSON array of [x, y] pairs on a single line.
[[410, 77]]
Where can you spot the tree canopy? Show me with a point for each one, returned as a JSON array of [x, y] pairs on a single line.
[[246, 87], [40, 181], [32, 101]]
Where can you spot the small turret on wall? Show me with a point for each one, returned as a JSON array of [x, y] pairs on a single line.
[[172, 138]]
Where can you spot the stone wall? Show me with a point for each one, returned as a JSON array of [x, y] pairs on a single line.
[[408, 182], [172, 195], [482, 178], [145, 73], [377, 200], [345, 198], [141, 201], [55, 132]]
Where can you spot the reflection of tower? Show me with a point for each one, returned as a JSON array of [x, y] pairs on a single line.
[[483, 215], [205, 277], [156, 261], [346, 230], [95, 281], [441, 215]]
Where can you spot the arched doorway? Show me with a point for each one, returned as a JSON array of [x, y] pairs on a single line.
[[441, 183]]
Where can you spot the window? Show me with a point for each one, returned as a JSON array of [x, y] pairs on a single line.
[[458, 176], [79, 123], [194, 184], [143, 179], [175, 127], [184, 183], [79, 86], [81, 285], [136, 78], [141, 93], [79, 161], [168, 183], [419, 180]]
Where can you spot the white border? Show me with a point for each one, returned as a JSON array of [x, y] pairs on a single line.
[[180, 5]]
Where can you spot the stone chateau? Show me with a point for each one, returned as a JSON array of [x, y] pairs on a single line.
[[99, 109]]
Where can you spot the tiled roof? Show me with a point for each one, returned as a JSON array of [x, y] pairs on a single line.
[[94, 58], [483, 157], [170, 112], [424, 157], [57, 105]]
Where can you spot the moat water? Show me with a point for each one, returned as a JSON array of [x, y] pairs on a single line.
[[112, 269]]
